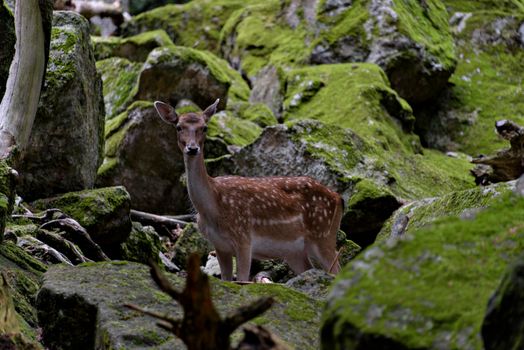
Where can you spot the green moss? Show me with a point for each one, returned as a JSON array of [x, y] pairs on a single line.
[[120, 78], [233, 130], [427, 24], [134, 48], [196, 24], [260, 114], [261, 37], [421, 276], [61, 67], [88, 206], [142, 245], [17, 256]]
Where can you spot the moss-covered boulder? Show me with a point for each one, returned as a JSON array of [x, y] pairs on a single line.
[[103, 212], [429, 290], [135, 48], [66, 143], [8, 181], [191, 240], [143, 245], [196, 24], [425, 212], [174, 73], [361, 145], [141, 153], [82, 308], [7, 43], [23, 274], [137, 6], [503, 326], [120, 77], [410, 40], [486, 85]]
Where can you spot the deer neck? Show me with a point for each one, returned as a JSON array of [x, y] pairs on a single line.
[[200, 186]]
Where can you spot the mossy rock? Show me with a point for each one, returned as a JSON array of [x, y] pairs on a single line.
[[191, 240], [405, 295], [143, 245], [174, 73], [120, 78], [135, 48], [409, 40], [138, 6], [425, 212], [67, 137], [7, 42], [196, 24], [8, 181], [486, 85], [103, 212], [23, 274], [503, 326], [81, 308]]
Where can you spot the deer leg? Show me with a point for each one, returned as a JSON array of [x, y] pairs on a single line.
[[225, 260], [299, 263], [326, 256], [243, 262]]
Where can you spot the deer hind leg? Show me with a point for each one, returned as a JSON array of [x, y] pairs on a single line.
[[225, 260], [299, 263], [326, 255], [243, 255]]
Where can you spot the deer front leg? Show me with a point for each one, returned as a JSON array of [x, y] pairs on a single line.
[[243, 262], [225, 260]]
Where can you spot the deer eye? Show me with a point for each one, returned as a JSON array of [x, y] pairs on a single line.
[[204, 129], [178, 128]]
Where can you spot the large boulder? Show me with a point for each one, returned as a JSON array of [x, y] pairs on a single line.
[[486, 84], [410, 40], [66, 142], [82, 308], [103, 212], [503, 325], [361, 146], [425, 212], [428, 290], [7, 43], [137, 6]]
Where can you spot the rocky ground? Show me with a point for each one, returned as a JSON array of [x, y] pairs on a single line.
[[384, 101]]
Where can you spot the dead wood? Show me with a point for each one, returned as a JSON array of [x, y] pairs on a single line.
[[201, 328], [162, 224], [506, 164]]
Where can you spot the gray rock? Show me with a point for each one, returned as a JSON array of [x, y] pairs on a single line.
[[503, 325], [142, 154], [191, 241], [268, 89], [67, 139], [82, 308], [143, 245], [7, 43], [314, 283]]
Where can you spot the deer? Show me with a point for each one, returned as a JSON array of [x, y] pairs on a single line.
[[295, 219]]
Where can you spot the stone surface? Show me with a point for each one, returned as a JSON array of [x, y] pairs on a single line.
[[486, 85], [135, 48], [191, 240], [410, 40], [403, 294], [66, 142], [141, 154], [82, 308], [7, 43], [314, 283], [103, 212], [143, 245], [138, 6], [503, 326], [196, 24]]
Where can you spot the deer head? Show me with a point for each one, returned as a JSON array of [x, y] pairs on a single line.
[[191, 127]]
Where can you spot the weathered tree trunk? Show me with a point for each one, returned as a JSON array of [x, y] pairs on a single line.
[[20, 102], [33, 20]]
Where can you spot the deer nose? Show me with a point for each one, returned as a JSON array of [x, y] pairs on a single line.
[[192, 150]]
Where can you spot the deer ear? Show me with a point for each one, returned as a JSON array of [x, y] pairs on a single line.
[[208, 113], [166, 112]]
